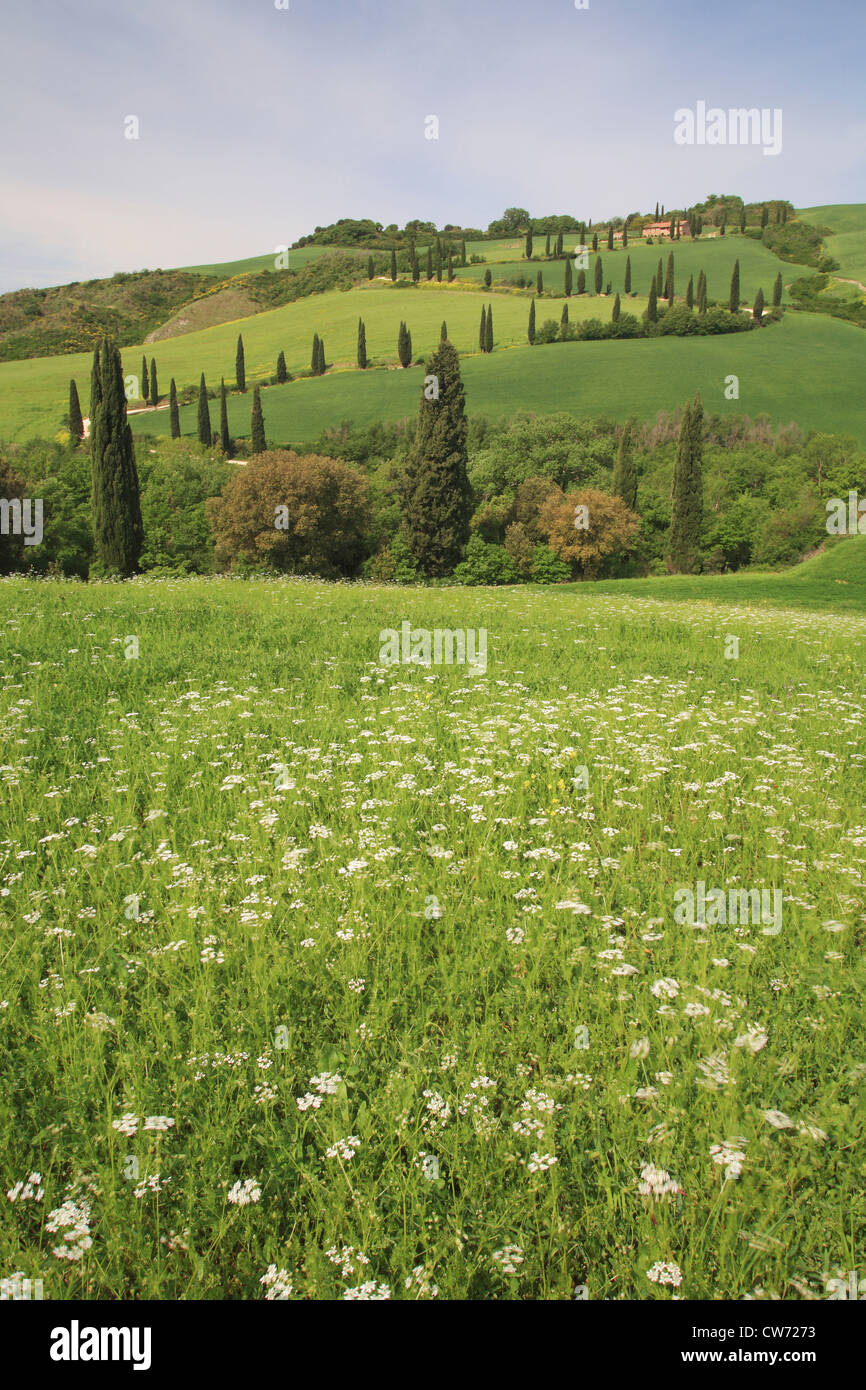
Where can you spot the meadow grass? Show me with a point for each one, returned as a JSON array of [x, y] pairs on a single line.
[[807, 369], [848, 240], [345, 976]]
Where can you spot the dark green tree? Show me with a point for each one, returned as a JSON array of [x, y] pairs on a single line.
[[282, 370], [225, 439], [204, 429], [429, 262], [258, 443], [482, 331], [547, 245], [758, 310], [625, 236], [599, 276], [660, 278], [404, 346], [531, 330], [777, 290], [95, 383], [144, 391], [628, 274], [413, 262], [624, 472], [743, 220], [734, 302], [463, 252], [438, 260], [690, 292], [610, 236], [436, 493], [371, 269], [558, 251], [581, 281], [362, 344], [321, 371], [687, 501], [443, 332], [393, 264], [76, 424], [669, 279], [314, 359], [240, 366], [539, 283], [615, 312], [173, 412], [765, 215], [450, 267], [702, 293], [118, 534], [652, 311], [488, 329], [528, 248], [488, 279], [154, 385], [563, 322], [568, 276]]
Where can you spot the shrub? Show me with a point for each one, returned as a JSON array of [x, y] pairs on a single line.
[[547, 567], [486, 564]]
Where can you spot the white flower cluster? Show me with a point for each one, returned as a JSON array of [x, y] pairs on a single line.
[[243, 1193], [31, 1190], [73, 1219], [278, 1284]]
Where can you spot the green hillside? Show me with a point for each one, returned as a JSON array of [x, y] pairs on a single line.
[[835, 578], [848, 242], [805, 368]]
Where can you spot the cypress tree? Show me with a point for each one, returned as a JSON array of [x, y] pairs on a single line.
[[482, 331], [765, 215], [595, 241], [624, 472], [581, 281], [488, 332], [463, 252], [599, 277], [610, 236], [652, 312], [723, 228], [204, 429], [154, 385], [660, 278], [624, 236], [362, 344], [436, 492], [118, 533], [656, 218], [568, 277], [614, 318], [450, 268], [488, 278], [702, 293], [759, 306], [76, 424], [443, 332], [371, 269], [173, 413], [628, 274], [144, 392], [529, 244], [687, 502], [95, 385], [404, 346], [558, 244], [282, 373], [777, 290], [743, 221], [413, 262], [734, 302], [429, 263], [240, 367], [225, 441], [547, 245], [393, 264], [690, 292], [669, 279], [321, 371], [531, 330], [314, 360], [438, 260], [539, 283], [258, 443], [563, 321]]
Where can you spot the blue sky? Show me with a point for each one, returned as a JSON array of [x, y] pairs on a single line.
[[257, 123]]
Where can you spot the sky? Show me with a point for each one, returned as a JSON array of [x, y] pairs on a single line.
[[255, 124]]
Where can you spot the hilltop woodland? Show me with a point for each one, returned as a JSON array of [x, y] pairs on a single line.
[[443, 499]]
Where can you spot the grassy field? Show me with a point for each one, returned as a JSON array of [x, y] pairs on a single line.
[[326, 975], [834, 579], [848, 243], [806, 368]]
